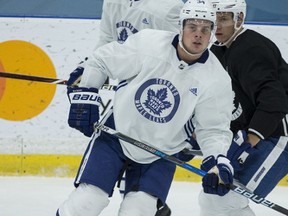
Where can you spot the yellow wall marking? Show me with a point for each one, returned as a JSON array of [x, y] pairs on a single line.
[[67, 166], [22, 100]]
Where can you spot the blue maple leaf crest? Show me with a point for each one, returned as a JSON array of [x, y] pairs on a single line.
[[123, 36], [156, 101]]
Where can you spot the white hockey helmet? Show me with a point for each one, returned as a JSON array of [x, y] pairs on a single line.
[[198, 9], [234, 6]]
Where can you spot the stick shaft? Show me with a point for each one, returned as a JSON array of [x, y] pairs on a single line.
[[46, 79], [33, 78], [236, 187]]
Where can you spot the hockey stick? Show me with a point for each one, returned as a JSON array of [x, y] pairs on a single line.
[[236, 187], [46, 79], [192, 152]]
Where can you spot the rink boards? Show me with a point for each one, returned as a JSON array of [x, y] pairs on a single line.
[[34, 137]]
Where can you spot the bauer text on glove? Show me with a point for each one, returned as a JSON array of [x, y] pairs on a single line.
[[84, 109]]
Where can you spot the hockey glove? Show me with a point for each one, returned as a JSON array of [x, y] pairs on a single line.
[[163, 210], [219, 175], [188, 154], [239, 150], [84, 109], [75, 76]]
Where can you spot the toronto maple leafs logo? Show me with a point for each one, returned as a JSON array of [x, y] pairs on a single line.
[[123, 35], [157, 100], [124, 30]]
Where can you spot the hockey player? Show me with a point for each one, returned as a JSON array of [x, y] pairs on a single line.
[[122, 18], [166, 79], [259, 76]]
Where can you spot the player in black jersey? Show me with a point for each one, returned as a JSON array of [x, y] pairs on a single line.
[[259, 76]]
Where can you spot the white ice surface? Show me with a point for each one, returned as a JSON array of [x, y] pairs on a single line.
[[41, 196]]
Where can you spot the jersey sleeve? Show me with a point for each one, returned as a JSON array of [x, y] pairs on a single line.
[[259, 80], [212, 119], [172, 20], [106, 26], [113, 60]]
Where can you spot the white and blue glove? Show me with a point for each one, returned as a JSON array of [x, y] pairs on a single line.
[[219, 175], [84, 109], [239, 150]]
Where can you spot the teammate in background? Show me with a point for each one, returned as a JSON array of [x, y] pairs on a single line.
[[122, 18], [166, 79], [259, 153]]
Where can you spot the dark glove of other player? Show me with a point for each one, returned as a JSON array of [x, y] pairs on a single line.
[[84, 109], [239, 150], [188, 154], [163, 210], [219, 175], [75, 75]]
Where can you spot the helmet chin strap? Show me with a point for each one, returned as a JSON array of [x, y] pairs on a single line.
[[236, 31], [188, 53], [185, 50]]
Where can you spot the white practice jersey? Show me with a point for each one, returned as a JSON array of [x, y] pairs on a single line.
[[163, 93], [122, 18]]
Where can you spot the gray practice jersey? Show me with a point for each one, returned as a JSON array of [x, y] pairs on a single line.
[[162, 93], [122, 18]]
